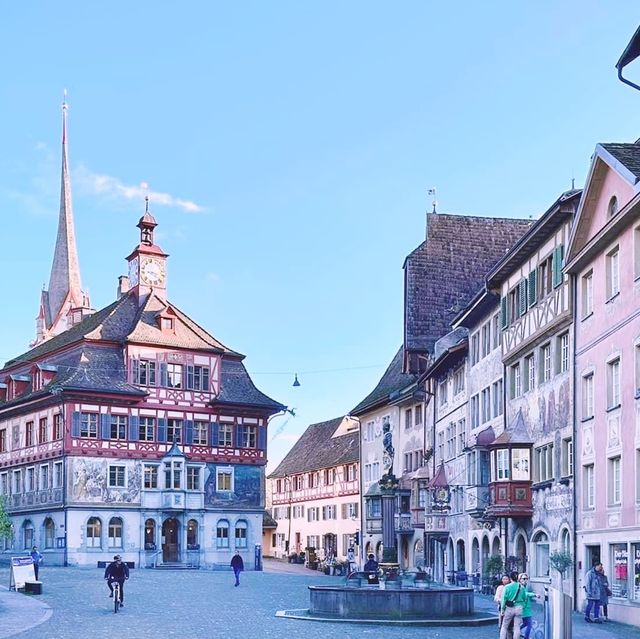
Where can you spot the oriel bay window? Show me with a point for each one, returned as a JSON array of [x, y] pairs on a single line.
[[510, 481], [173, 475]]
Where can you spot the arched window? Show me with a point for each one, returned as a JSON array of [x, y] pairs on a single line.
[[115, 532], [241, 534], [192, 534], [49, 533], [565, 541], [150, 534], [222, 534], [94, 533], [28, 534], [540, 543], [613, 206]]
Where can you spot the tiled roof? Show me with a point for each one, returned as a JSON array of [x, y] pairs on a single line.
[[392, 381], [236, 387], [444, 273], [627, 154], [317, 449]]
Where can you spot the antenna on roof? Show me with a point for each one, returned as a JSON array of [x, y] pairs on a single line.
[[432, 192]]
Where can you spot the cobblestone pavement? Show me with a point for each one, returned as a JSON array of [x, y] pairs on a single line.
[[202, 604]]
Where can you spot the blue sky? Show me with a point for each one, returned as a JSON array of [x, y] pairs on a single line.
[[288, 148]]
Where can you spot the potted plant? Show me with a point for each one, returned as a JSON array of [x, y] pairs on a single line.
[[561, 561], [493, 568]]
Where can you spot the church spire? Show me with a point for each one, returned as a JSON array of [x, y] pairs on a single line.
[[65, 292]]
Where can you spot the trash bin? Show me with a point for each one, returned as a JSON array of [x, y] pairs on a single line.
[[557, 614], [33, 587]]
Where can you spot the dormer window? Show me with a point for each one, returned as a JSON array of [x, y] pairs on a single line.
[[166, 323], [613, 207]]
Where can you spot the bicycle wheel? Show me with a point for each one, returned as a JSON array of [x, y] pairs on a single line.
[[116, 599]]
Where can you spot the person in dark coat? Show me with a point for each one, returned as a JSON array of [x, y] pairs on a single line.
[[592, 588], [117, 571], [238, 566], [37, 560], [605, 593]]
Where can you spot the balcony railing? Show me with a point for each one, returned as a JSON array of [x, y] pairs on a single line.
[[374, 525], [403, 523]]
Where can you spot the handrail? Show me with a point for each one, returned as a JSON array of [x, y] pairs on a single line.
[[154, 563]]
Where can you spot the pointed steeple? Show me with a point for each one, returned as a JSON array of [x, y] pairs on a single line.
[[65, 293]]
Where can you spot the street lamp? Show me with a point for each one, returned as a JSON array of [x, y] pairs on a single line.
[[629, 55]]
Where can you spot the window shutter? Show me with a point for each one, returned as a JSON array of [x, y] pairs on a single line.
[[504, 313], [164, 381], [189, 376], [262, 437], [75, 424], [522, 297], [162, 429], [557, 265], [239, 443], [532, 287], [105, 425], [188, 431], [134, 428], [214, 433], [135, 365], [356, 506], [344, 511]]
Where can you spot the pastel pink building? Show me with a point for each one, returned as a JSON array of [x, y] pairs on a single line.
[[604, 258]]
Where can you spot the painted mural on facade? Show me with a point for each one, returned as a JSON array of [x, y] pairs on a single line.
[[90, 482], [247, 482]]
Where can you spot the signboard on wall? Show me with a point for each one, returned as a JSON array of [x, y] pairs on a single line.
[[21, 572]]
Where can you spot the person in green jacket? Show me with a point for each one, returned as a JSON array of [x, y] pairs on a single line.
[[527, 619], [514, 599]]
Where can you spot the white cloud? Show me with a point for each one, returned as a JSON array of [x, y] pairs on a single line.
[[108, 186], [213, 277]]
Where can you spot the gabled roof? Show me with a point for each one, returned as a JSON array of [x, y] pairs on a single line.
[[440, 478], [515, 433], [317, 448], [391, 383], [444, 273], [627, 154]]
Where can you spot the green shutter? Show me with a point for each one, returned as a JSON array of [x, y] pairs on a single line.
[[533, 287], [504, 313], [522, 297], [557, 265]]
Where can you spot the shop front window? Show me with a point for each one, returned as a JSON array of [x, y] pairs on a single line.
[[620, 577], [635, 549]]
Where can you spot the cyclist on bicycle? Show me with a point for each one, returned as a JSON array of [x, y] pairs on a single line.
[[117, 571]]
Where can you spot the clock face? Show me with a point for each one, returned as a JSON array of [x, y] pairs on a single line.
[[152, 271], [441, 494], [133, 272]]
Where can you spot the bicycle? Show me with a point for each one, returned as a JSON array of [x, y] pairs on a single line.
[[116, 596]]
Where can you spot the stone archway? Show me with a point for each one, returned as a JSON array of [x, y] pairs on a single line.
[[170, 540]]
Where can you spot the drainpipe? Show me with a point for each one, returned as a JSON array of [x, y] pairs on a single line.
[[574, 454]]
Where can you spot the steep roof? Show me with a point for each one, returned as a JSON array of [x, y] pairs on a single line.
[[392, 381], [236, 387], [444, 273], [627, 154], [317, 449]]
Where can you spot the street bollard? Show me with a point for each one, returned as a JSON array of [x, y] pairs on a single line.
[[557, 614]]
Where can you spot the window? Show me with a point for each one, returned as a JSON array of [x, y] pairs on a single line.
[[89, 425], [486, 339], [496, 330], [298, 482], [222, 534], [615, 496], [475, 411], [475, 349], [17, 482], [545, 355], [313, 514], [30, 483], [502, 464], [28, 534], [115, 532], [329, 512], [442, 392], [173, 475], [166, 323], [486, 404], [612, 209], [370, 431], [497, 398], [44, 477], [241, 534], [4, 483], [42, 430], [144, 372], [458, 381], [146, 429], [544, 277], [200, 429], [541, 546], [516, 381], [417, 413], [613, 383], [636, 253], [3, 440], [520, 464], [94, 533], [174, 430], [619, 576], [462, 438], [248, 436], [408, 418], [529, 372], [174, 375], [298, 511], [350, 472], [118, 427], [150, 476], [117, 476], [329, 476], [193, 478], [224, 480], [28, 438], [49, 533], [350, 510], [313, 480], [192, 535], [57, 426], [441, 445], [613, 273], [587, 396], [544, 463], [224, 435], [563, 353], [451, 440], [374, 508], [198, 378], [514, 308], [57, 475], [567, 457], [587, 294]]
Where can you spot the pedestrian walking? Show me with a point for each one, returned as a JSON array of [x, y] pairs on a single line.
[[505, 581], [592, 588], [351, 559], [238, 566], [514, 597], [37, 560], [605, 593], [527, 618]]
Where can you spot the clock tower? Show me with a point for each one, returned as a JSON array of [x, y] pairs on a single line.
[[147, 263]]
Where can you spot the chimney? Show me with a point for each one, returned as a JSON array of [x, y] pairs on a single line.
[[123, 285]]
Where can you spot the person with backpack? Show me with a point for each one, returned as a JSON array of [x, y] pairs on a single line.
[[514, 598]]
